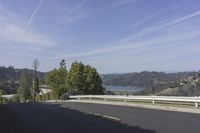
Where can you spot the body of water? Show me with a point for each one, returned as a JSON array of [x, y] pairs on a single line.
[[123, 88]]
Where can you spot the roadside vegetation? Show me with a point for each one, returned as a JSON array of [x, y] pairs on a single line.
[[80, 79], [24, 89], [1, 98]]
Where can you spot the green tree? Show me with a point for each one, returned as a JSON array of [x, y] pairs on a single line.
[[24, 89], [80, 80], [75, 78], [93, 82], [1, 98], [57, 80], [83, 79]]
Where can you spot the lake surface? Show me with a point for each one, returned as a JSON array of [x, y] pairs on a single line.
[[123, 88]]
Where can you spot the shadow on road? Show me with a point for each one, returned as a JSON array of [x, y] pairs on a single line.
[[52, 118]]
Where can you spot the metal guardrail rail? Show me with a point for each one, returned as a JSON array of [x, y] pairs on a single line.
[[153, 99]]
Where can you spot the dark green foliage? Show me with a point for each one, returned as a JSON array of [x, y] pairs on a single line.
[[15, 99], [44, 97], [24, 89], [65, 96], [1, 98], [80, 79], [57, 80], [83, 79], [75, 78], [9, 87]]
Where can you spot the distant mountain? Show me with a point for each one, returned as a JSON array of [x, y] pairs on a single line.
[[9, 77], [153, 82], [143, 78]]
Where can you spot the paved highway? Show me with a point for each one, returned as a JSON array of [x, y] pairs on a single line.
[[93, 118]]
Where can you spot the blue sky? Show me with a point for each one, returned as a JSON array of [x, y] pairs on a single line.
[[112, 35]]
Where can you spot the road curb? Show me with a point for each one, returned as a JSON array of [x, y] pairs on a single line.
[[157, 107]]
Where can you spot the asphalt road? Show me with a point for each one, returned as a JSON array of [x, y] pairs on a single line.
[[93, 118]]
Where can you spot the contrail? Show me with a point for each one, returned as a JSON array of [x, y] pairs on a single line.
[[35, 11], [71, 11]]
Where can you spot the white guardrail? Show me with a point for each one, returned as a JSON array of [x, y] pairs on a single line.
[[153, 99]]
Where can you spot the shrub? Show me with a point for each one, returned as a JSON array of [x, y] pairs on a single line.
[[1, 100], [64, 96], [15, 99]]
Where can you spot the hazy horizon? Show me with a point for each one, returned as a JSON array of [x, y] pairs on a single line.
[[114, 36], [106, 73]]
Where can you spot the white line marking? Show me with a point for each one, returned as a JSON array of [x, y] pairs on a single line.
[[106, 116]]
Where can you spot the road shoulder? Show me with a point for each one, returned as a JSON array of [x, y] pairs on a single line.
[[157, 107]]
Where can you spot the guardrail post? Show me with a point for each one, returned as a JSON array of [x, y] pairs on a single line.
[[90, 98], [196, 104], [125, 100], [79, 98], [153, 101]]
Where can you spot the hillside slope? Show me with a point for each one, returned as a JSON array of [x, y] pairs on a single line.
[[186, 87], [153, 82], [9, 77], [143, 78]]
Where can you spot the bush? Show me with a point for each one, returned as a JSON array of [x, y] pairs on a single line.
[[38, 98], [6, 100], [44, 97], [1, 100], [64, 96], [15, 99]]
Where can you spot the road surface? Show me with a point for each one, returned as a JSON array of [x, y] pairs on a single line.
[[93, 118]]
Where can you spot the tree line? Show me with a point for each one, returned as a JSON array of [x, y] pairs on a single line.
[[80, 79]]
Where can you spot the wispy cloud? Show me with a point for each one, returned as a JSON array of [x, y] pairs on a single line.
[[118, 3], [71, 11], [166, 38], [35, 12], [134, 45], [121, 2], [75, 18], [14, 35], [161, 25], [133, 35]]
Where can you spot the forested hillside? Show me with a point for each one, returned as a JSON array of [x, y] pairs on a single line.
[[9, 77]]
